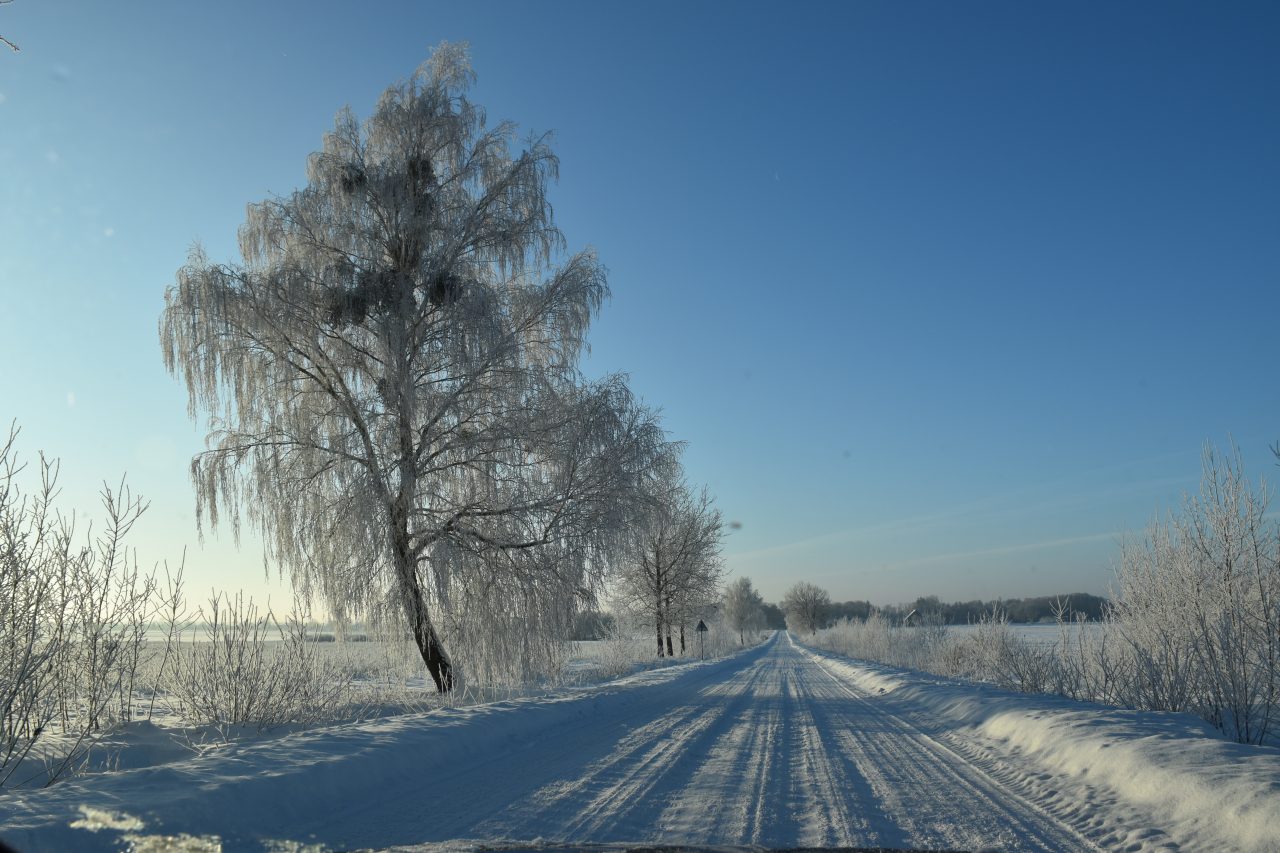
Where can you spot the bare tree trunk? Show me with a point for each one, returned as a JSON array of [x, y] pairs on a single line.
[[401, 385], [670, 653], [657, 608], [424, 633], [415, 605], [682, 639]]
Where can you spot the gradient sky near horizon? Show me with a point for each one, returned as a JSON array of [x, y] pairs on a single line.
[[944, 297]]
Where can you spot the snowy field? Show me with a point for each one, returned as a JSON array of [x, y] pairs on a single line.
[[776, 746], [1041, 635]]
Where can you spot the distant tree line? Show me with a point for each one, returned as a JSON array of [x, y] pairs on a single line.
[[596, 625], [1019, 610], [1037, 609]]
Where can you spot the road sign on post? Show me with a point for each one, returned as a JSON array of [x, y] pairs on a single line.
[[702, 646]]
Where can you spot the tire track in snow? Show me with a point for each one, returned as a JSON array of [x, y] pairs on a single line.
[[828, 816], [769, 779], [969, 808], [621, 795], [770, 750], [521, 790], [731, 783], [1088, 809]]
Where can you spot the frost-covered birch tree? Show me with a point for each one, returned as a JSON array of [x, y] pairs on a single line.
[[674, 569], [743, 607], [391, 376]]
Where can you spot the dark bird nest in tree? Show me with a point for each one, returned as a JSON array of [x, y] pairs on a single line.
[[444, 289], [374, 291]]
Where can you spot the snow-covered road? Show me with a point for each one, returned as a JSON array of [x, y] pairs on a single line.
[[778, 746], [772, 751]]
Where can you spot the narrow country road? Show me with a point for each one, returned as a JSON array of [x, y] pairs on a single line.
[[769, 749]]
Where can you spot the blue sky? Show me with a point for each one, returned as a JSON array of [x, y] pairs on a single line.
[[943, 296]]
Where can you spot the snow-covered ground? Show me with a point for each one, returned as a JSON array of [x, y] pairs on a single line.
[[777, 746], [1041, 634], [1124, 779]]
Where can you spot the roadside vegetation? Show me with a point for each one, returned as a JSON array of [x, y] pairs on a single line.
[[1194, 624], [1019, 611], [93, 645]]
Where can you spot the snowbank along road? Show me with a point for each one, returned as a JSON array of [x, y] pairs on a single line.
[[778, 746]]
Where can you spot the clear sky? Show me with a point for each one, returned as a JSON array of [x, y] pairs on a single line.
[[943, 296]]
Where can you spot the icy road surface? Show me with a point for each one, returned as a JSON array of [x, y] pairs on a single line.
[[778, 746], [772, 751]]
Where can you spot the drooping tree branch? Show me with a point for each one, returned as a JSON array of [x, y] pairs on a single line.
[[391, 374]]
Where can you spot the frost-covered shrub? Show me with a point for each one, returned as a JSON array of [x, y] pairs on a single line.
[[720, 639], [630, 643], [72, 616], [625, 644], [1198, 608], [109, 602], [1091, 661], [33, 553], [249, 670], [993, 652], [879, 639]]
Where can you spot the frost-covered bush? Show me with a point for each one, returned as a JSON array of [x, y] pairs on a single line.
[[72, 616], [625, 643], [250, 670], [1198, 608], [720, 639], [628, 645], [993, 652], [34, 547], [109, 603], [878, 638]]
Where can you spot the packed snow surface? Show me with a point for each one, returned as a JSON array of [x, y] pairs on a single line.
[[778, 746]]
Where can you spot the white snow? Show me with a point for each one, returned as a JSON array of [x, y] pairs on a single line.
[[777, 746], [1130, 776]]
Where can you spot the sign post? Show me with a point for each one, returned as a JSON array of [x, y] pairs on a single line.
[[702, 633]]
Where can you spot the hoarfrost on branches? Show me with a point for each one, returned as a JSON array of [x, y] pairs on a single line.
[[73, 618], [391, 377], [1198, 606], [806, 607], [672, 575], [743, 608]]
